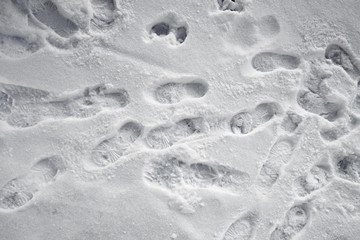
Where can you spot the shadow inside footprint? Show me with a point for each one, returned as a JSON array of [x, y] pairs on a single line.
[[348, 167], [170, 25], [111, 150], [161, 29], [19, 191], [231, 5], [14, 47], [269, 61]]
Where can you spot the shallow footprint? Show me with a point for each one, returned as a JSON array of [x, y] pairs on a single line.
[[296, 219], [173, 173], [245, 122], [318, 177], [279, 155], [170, 93], [111, 150], [48, 14], [329, 108], [242, 228], [342, 58], [104, 15], [19, 191], [268, 61], [166, 136]]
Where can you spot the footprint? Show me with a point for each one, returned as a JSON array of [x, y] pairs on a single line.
[[231, 5], [279, 155], [242, 228], [332, 134], [269, 61], [269, 26], [47, 14], [16, 47], [356, 102], [329, 107], [172, 92], [296, 219], [348, 167], [111, 150], [29, 106], [6, 104], [318, 177], [166, 136], [19, 191], [104, 13], [173, 173], [245, 122], [339, 56], [171, 27], [291, 121]]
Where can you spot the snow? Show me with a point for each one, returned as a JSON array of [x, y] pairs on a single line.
[[210, 119]]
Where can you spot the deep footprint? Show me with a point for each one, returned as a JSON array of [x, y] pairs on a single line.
[[296, 219], [318, 177], [242, 228], [30, 106], [166, 136], [348, 167], [48, 14], [173, 173], [170, 93], [170, 24], [231, 5], [245, 122], [344, 59], [111, 150], [268, 61], [279, 155], [104, 13], [19, 191]]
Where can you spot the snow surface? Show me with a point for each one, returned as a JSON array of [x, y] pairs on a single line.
[[209, 119]]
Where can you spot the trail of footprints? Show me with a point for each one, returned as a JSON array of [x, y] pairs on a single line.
[[19, 191], [24, 107]]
